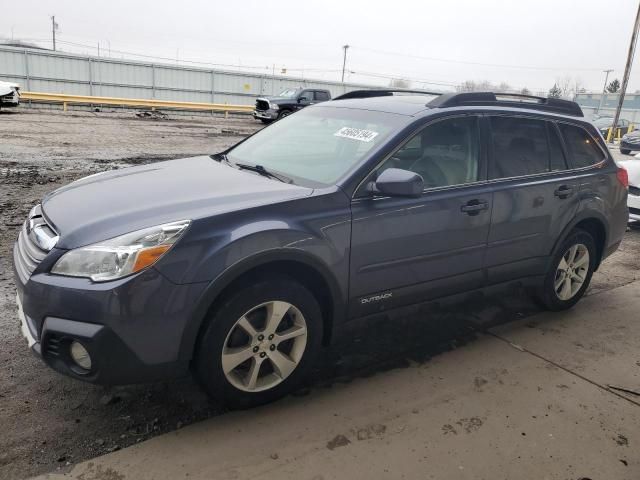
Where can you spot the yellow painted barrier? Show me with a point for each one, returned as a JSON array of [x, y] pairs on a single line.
[[131, 102]]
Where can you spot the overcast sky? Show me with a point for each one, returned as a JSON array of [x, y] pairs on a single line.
[[526, 43]]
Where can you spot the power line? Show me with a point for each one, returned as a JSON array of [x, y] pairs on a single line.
[[466, 62], [153, 57]]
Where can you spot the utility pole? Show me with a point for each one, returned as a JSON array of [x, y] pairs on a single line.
[[627, 70], [604, 89], [344, 60], [54, 27]]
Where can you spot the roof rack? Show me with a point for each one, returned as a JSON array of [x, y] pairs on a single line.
[[516, 100], [381, 92]]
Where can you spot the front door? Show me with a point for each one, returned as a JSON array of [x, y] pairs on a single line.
[[407, 250]]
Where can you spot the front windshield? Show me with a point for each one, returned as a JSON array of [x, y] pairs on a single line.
[[318, 144], [290, 92]]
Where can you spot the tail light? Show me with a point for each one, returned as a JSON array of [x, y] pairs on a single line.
[[623, 177]]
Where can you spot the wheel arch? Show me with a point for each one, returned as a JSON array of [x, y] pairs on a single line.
[[592, 222], [299, 265]]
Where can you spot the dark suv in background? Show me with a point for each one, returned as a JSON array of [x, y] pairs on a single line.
[[288, 101], [241, 266]]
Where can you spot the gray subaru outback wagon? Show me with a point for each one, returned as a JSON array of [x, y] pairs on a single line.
[[240, 265]]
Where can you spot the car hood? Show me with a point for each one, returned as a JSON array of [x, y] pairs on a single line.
[[112, 203], [6, 88], [278, 99], [633, 170], [635, 135]]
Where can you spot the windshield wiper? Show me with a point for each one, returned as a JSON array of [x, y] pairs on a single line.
[[263, 171]]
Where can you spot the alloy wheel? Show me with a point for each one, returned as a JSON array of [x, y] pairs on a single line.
[[264, 346], [571, 272]]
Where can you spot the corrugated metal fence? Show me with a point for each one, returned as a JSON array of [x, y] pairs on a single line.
[[58, 72]]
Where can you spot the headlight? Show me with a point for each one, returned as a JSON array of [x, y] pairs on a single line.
[[121, 256], [274, 106]]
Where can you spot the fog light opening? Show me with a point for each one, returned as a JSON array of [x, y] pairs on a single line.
[[80, 355]]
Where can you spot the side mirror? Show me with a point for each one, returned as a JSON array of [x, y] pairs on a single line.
[[302, 99], [396, 182]]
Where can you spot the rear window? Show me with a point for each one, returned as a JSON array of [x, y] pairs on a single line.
[[583, 149]]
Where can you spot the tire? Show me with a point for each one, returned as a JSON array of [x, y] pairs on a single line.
[[624, 151], [565, 297], [284, 113], [266, 121], [223, 337]]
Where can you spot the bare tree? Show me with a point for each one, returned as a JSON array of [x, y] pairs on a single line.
[[483, 86], [399, 83], [569, 86]]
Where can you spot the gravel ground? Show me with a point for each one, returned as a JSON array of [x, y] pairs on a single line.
[[50, 422]]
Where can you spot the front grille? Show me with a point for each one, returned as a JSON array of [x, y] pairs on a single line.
[[635, 211], [634, 190], [35, 240], [262, 105]]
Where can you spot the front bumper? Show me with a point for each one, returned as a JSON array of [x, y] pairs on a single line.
[[131, 327], [265, 114], [12, 99]]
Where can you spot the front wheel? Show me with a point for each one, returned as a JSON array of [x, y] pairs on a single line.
[[284, 113], [571, 270], [624, 151], [259, 343]]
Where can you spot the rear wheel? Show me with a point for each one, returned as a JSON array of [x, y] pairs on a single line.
[[571, 270], [260, 343]]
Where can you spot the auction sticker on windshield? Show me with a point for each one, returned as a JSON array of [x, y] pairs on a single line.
[[356, 134]]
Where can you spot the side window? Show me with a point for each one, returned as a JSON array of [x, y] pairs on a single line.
[[520, 147], [444, 153], [582, 147], [558, 161], [322, 96], [308, 94]]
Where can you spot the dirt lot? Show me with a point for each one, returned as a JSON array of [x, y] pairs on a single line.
[[50, 422]]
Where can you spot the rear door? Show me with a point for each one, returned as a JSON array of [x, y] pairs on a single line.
[[322, 96], [535, 196], [407, 250]]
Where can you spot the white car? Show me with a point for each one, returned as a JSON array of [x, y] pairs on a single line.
[[633, 169], [9, 94]]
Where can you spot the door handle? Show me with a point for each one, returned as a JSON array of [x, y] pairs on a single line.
[[474, 207], [564, 191]]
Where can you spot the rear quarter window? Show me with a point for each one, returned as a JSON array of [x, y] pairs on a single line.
[[583, 148]]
